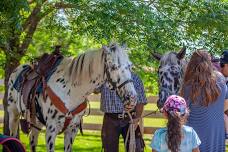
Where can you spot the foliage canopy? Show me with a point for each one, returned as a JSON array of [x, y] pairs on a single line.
[[30, 27]]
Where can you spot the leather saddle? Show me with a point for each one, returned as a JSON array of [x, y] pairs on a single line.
[[32, 79], [37, 73]]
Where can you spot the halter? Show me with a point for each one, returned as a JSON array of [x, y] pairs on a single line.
[[114, 83], [110, 80]]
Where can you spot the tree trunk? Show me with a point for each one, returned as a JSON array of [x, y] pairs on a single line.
[[9, 67]]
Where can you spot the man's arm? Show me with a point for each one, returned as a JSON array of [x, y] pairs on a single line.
[[139, 110]]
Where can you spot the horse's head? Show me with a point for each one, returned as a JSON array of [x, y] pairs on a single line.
[[170, 73], [118, 72]]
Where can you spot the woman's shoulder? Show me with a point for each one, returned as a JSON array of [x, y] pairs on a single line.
[[219, 77]]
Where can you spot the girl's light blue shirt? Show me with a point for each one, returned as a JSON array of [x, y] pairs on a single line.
[[188, 143]]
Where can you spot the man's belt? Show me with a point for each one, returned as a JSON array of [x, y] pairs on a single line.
[[120, 115]]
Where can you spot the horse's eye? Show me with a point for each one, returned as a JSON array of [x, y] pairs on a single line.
[[113, 49]]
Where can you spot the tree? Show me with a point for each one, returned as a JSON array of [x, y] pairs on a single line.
[[146, 25]]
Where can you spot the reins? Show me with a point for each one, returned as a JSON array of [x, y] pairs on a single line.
[[131, 132]]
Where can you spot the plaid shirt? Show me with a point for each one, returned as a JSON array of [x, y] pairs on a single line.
[[110, 101]]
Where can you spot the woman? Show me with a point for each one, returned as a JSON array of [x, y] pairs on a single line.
[[205, 92]]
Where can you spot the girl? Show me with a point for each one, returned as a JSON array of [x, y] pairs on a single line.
[[176, 137]]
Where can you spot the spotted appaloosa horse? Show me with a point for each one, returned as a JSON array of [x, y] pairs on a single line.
[[170, 73], [73, 80]]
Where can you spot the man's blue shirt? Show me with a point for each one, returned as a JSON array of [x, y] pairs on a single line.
[[111, 102]]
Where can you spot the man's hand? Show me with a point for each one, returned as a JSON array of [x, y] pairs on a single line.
[[129, 107]]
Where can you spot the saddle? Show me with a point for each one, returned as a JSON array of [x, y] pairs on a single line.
[[35, 76]]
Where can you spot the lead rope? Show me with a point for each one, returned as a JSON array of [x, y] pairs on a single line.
[[130, 135], [131, 132]]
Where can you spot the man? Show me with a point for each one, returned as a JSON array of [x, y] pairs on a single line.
[[224, 63], [224, 71], [114, 123]]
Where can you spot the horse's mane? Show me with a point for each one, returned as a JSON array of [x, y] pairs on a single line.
[[84, 66], [91, 63]]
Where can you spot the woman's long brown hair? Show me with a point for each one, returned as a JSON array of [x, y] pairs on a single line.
[[201, 77]]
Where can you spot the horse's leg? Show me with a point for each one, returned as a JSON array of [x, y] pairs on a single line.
[[13, 118], [51, 133], [69, 136], [34, 136]]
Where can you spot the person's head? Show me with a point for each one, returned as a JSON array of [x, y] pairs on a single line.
[[216, 63], [201, 78], [176, 111], [224, 63]]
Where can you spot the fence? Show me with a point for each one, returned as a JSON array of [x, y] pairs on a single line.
[[97, 112], [94, 111]]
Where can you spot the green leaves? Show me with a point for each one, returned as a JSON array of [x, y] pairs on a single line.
[[145, 26]]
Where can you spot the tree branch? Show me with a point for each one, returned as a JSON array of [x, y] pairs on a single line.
[[34, 13], [28, 38], [64, 5], [33, 20]]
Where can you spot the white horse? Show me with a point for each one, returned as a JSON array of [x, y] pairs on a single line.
[[73, 80]]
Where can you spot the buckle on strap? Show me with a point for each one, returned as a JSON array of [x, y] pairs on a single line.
[[69, 115], [125, 115], [121, 116]]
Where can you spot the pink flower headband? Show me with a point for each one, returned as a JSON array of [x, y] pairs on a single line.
[[174, 104]]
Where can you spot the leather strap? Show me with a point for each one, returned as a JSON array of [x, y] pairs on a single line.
[[59, 104]]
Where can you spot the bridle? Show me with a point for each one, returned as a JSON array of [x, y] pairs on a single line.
[[114, 84]]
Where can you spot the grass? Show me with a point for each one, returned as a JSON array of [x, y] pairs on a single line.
[[90, 141]]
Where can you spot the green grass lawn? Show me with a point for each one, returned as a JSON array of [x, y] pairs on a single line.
[[89, 142]]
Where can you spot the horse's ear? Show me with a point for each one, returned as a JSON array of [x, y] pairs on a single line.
[[181, 53], [156, 55], [105, 49]]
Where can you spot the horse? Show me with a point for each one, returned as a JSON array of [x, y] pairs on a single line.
[[73, 80], [170, 74]]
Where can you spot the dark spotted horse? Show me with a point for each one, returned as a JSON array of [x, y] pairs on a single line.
[[71, 82], [170, 74]]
